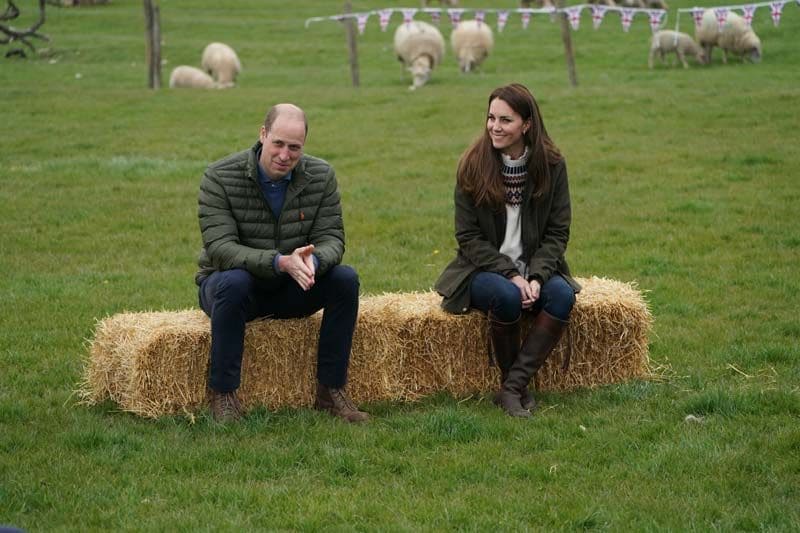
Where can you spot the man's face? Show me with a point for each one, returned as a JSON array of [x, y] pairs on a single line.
[[283, 146]]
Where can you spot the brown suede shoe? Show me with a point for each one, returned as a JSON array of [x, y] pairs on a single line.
[[225, 407], [338, 404]]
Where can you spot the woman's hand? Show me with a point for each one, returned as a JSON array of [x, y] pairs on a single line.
[[536, 287], [526, 293]]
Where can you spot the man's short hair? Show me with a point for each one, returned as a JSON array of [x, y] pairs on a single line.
[[276, 110]]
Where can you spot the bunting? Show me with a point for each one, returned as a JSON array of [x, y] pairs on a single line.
[[721, 13], [777, 9], [574, 16], [526, 19], [361, 20], [627, 19], [455, 16], [656, 16], [436, 15], [383, 16], [697, 15], [502, 20], [747, 13], [408, 15], [598, 12]]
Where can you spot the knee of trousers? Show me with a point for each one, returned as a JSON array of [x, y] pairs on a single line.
[[235, 287], [344, 282], [560, 300], [506, 305]]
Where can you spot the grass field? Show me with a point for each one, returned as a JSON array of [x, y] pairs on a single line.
[[685, 181]]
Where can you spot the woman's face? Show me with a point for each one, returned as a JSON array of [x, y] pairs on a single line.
[[506, 128]]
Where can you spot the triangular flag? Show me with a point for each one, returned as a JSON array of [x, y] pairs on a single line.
[[598, 12], [777, 8], [574, 16], [697, 15], [480, 16], [655, 18], [526, 18], [502, 19], [436, 15], [361, 20], [455, 15], [384, 15], [747, 13], [627, 18], [722, 16], [408, 15]]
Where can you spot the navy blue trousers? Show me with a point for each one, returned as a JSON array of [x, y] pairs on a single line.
[[495, 294], [234, 297]]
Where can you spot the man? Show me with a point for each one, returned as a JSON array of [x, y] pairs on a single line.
[[273, 240]]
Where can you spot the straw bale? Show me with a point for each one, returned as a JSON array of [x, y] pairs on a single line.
[[405, 347]]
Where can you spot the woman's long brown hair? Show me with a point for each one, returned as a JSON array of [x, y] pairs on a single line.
[[479, 169]]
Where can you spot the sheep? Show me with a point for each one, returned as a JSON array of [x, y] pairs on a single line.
[[221, 62], [190, 78], [734, 37], [472, 42], [420, 47], [665, 41]]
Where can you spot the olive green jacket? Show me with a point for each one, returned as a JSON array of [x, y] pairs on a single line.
[[480, 232], [239, 229]]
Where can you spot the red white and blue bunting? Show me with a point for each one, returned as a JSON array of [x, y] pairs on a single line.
[[502, 16], [748, 12], [656, 17]]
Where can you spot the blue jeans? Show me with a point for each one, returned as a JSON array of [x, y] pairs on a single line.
[[495, 294], [233, 297]]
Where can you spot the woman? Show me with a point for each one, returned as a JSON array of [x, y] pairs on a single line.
[[512, 218]]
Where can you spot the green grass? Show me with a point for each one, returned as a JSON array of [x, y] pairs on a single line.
[[685, 181]]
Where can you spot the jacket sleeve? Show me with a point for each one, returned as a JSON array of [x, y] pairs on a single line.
[[553, 244], [327, 232], [473, 244], [220, 233]]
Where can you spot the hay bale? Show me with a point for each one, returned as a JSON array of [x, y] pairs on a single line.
[[405, 347]]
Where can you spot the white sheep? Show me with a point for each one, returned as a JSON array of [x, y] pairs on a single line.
[[221, 62], [734, 37], [472, 42], [665, 41], [186, 77], [420, 47]]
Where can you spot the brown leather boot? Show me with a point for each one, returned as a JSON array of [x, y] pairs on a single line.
[[540, 342], [338, 404], [225, 407], [505, 345]]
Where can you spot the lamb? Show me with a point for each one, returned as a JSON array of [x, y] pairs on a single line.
[[221, 62], [665, 41], [190, 78], [420, 47], [734, 37], [472, 42]]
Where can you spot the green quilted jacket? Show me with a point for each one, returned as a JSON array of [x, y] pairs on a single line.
[[240, 231]]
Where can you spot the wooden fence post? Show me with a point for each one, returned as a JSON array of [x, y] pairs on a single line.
[[152, 26], [568, 51], [351, 43]]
